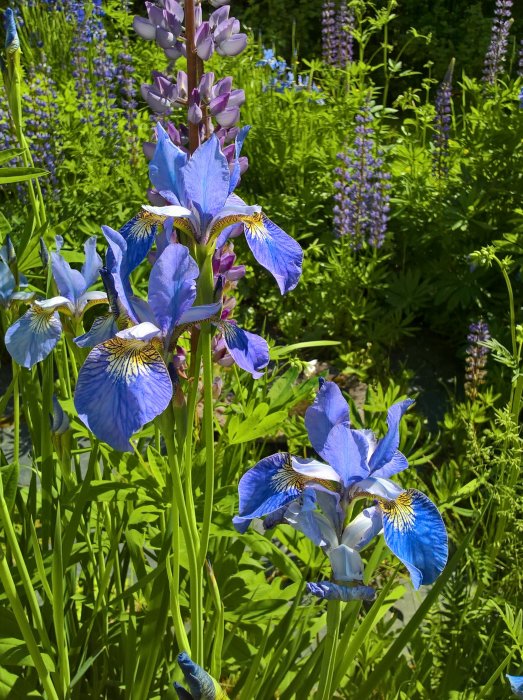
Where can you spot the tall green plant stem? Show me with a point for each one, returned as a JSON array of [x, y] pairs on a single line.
[[330, 648]]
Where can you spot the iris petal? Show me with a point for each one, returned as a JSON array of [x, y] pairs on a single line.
[[346, 451], [347, 565], [92, 264], [117, 266], [516, 685], [201, 684], [139, 234], [363, 528], [249, 351], [206, 179], [7, 283], [386, 460], [30, 339], [303, 515], [415, 532], [70, 283], [275, 250], [328, 409], [122, 385], [172, 286], [331, 591], [269, 485], [238, 144], [103, 328], [166, 165]]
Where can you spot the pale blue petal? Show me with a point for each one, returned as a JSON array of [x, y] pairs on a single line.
[[275, 250], [166, 165], [347, 564], [7, 283], [122, 385], [346, 451], [103, 328], [200, 313], [386, 460], [414, 531], [516, 685], [303, 515], [32, 338], [92, 265], [172, 286], [331, 591], [238, 144], [363, 529], [117, 267], [328, 409], [206, 177], [70, 283]]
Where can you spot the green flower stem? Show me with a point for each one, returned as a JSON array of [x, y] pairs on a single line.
[[195, 572], [173, 575], [330, 648], [57, 573], [208, 427], [46, 450], [16, 606], [16, 415]]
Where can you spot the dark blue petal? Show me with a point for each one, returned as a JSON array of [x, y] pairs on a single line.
[[122, 385], [516, 685], [30, 339], [7, 283], [328, 409], [172, 286], [103, 328], [241, 525], [201, 684], [346, 451], [275, 250], [206, 177], [248, 350], [331, 591], [415, 532], [385, 460], [182, 693], [238, 144], [93, 263], [165, 166], [269, 485], [60, 419], [70, 283], [139, 235]]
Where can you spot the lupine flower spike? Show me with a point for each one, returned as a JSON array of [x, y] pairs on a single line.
[[442, 123], [497, 51], [314, 497], [476, 358], [202, 686]]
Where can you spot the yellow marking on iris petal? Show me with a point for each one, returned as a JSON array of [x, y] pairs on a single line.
[[144, 223], [228, 220], [41, 319], [288, 478], [129, 359], [400, 511], [255, 225]]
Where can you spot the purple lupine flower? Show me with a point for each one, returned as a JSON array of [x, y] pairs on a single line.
[[104, 72], [80, 59], [497, 50], [345, 43], [442, 123], [329, 35], [362, 200], [520, 59], [127, 94], [476, 358]]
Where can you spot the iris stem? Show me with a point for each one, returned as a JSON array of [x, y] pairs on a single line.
[[330, 648], [208, 427]]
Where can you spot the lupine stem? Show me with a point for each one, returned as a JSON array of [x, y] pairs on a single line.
[[192, 69]]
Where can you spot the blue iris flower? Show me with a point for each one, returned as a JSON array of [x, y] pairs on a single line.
[[314, 497], [202, 686], [516, 684], [199, 191], [32, 338], [128, 366]]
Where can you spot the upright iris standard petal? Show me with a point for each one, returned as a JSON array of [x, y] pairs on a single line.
[[249, 351], [32, 338], [236, 171], [364, 528], [347, 564], [120, 287], [328, 409], [172, 286], [386, 460], [122, 385], [331, 591], [92, 264], [346, 451], [70, 283], [103, 328], [304, 516], [206, 178], [275, 250], [139, 234], [166, 165], [269, 485], [7, 283], [516, 685], [414, 531]]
